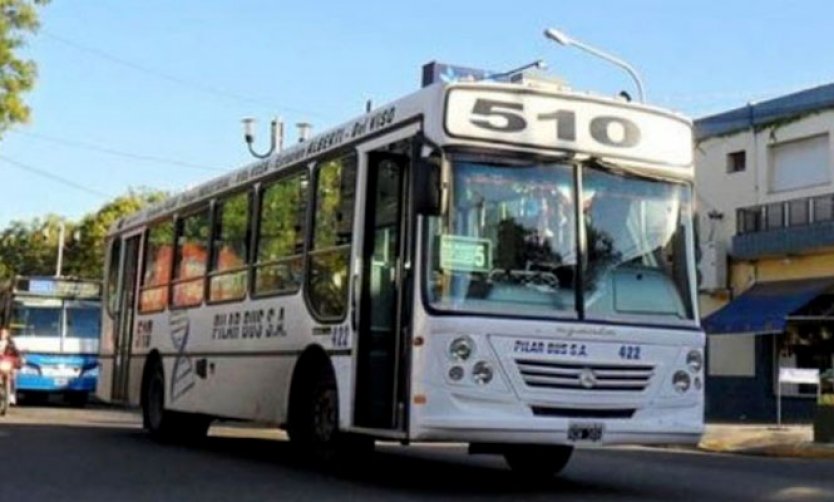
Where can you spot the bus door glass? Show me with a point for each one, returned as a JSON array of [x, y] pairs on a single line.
[[378, 384], [125, 305]]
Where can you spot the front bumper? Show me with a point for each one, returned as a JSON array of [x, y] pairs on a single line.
[[55, 384], [661, 428]]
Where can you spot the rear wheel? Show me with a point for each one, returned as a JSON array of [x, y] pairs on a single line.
[[535, 461], [164, 424]]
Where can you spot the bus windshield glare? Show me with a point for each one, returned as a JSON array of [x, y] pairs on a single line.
[[45, 319], [508, 245]]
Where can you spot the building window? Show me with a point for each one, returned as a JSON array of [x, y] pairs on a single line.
[[823, 208], [157, 267], [230, 249], [191, 257], [279, 261], [799, 164], [775, 215], [736, 162], [329, 255]]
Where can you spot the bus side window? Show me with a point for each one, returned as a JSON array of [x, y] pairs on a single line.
[[230, 249], [329, 256], [190, 259], [113, 276], [279, 256], [157, 267]]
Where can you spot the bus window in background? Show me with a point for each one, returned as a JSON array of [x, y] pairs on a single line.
[[157, 268], [281, 230], [41, 318], [332, 232], [191, 257], [83, 319], [230, 248]]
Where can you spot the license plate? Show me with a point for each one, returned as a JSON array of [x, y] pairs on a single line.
[[586, 432], [59, 382]]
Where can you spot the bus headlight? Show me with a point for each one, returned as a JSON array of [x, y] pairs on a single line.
[[482, 373], [461, 348], [29, 370], [681, 381], [90, 372], [695, 360]]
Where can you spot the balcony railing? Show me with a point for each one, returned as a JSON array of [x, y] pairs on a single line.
[[791, 227], [787, 214]]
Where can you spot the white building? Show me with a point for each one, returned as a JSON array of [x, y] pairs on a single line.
[[765, 184]]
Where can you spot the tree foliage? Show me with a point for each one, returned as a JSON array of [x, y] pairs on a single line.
[[17, 75], [31, 247]]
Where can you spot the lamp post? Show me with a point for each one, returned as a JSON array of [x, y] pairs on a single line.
[[562, 39], [59, 262]]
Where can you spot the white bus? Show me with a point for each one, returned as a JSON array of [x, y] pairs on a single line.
[[505, 264]]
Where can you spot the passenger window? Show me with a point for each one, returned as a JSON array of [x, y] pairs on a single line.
[[332, 233], [191, 259], [280, 248], [113, 276], [230, 249], [157, 267]]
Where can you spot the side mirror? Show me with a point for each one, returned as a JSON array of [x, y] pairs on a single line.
[[426, 188]]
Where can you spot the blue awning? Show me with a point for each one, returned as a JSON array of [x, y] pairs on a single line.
[[763, 308]]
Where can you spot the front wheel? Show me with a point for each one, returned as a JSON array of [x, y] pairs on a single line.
[[77, 399], [537, 461], [314, 419]]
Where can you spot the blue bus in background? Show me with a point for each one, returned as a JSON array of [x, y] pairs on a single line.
[[56, 324]]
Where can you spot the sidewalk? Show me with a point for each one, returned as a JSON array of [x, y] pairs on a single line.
[[765, 440]]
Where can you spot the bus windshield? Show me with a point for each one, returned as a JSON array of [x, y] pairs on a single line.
[[83, 319], [42, 319], [45, 318], [507, 243]]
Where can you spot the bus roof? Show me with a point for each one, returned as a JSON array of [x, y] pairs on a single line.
[[427, 104]]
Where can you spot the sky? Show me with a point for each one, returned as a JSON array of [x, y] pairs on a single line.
[[150, 93]]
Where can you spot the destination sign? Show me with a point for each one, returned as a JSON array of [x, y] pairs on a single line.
[[568, 123]]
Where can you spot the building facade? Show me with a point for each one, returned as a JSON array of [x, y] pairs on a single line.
[[765, 186]]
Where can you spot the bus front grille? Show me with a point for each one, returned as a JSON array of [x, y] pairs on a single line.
[[585, 377]]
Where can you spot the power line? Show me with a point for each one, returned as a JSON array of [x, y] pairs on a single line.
[[207, 89], [119, 153], [53, 177]]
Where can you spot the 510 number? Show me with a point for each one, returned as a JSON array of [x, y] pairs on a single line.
[[502, 116]]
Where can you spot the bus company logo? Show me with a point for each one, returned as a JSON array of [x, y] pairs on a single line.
[[182, 377], [587, 378]]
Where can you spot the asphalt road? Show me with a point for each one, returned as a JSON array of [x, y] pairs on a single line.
[[56, 453]]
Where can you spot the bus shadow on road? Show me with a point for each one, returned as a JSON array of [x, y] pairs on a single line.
[[429, 470]]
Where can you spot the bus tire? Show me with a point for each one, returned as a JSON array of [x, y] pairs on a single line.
[[537, 461], [157, 420], [314, 416], [77, 399]]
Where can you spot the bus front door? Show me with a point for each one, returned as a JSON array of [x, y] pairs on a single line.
[[379, 365], [123, 338]]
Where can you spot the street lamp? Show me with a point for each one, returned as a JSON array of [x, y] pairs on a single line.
[[562, 39]]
